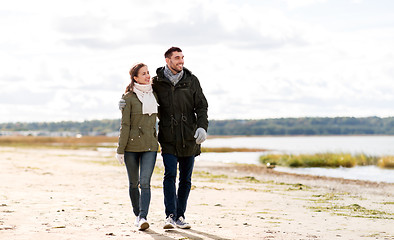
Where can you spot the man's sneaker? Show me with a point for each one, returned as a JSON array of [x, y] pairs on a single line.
[[170, 223], [137, 221], [143, 224], [182, 224]]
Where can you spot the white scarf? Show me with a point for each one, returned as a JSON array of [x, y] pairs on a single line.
[[146, 97]]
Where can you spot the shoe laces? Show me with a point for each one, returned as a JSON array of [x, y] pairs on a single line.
[[181, 219], [171, 216]]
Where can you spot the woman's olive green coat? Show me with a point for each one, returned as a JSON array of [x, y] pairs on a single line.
[[137, 130]]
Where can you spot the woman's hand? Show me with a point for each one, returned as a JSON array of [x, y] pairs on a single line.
[[120, 158]]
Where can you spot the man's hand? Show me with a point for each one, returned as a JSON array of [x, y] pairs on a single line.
[[121, 104], [200, 135], [120, 158]]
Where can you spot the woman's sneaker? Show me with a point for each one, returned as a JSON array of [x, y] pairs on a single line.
[[170, 223], [137, 221], [143, 224], [182, 224]]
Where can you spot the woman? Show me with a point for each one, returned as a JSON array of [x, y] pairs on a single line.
[[137, 147]]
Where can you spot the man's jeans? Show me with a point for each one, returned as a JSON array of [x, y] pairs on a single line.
[[140, 167], [176, 203]]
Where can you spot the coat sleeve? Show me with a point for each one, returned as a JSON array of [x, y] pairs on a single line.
[[124, 128], [154, 87], [200, 106]]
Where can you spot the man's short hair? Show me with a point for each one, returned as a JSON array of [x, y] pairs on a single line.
[[169, 52]]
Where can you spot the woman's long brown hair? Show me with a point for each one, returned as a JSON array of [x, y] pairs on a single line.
[[133, 73]]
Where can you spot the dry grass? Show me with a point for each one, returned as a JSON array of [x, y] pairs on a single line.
[[67, 142], [87, 142], [324, 160], [386, 162]]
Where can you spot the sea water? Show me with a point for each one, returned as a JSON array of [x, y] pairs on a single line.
[[370, 145]]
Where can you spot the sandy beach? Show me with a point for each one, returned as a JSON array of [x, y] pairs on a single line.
[[83, 194]]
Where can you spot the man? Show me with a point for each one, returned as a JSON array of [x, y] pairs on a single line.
[[183, 123]]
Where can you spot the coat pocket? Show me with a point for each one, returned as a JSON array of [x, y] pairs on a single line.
[[165, 133], [189, 129], [134, 134]]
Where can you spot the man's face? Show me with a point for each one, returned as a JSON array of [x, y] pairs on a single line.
[[175, 63]]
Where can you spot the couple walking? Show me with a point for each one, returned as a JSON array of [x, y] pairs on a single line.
[[176, 98]]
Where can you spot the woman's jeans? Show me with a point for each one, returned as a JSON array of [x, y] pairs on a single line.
[[140, 167], [175, 203]]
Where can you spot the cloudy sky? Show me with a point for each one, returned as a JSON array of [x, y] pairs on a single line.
[[69, 60]]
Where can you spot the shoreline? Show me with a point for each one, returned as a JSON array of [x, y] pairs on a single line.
[[333, 135], [83, 194], [260, 171], [349, 171]]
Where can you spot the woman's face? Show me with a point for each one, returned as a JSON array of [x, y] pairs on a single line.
[[143, 76]]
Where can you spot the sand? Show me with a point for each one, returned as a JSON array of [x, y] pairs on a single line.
[[83, 194]]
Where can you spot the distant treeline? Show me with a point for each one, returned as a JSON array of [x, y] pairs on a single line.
[[278, 126], [305, 126], [101, 127]]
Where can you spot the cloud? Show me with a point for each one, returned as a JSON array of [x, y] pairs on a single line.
[[23, 96], [239, 27], [5, 79], [81, 25], [199, 23], [93, 43], [302, 3], [254, 59]]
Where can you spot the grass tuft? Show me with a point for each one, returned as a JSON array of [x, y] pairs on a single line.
[[386, 162], [326, 160]]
